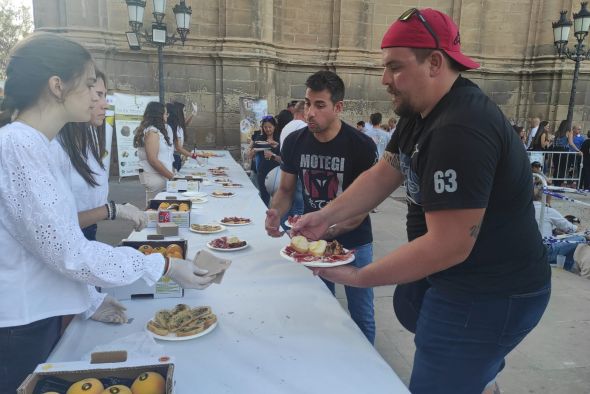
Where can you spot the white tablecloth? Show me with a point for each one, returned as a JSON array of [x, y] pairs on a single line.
[[280, 329]]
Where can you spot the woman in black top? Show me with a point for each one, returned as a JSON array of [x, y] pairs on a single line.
[[266, 159]]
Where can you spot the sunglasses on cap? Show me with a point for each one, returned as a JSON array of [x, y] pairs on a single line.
[[267, 117], [414, 11]]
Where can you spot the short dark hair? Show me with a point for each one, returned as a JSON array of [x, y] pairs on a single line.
[[326, 79], [536, 164], [422, 53], [376, 118], [361, 123], [292, 103]]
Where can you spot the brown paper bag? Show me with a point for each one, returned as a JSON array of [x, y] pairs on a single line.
[[215, 265]]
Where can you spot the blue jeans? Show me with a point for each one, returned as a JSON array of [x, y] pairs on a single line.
[[461, 339], [564, 249], [296, 205], [90, 232], [360, 301], [23, 347]]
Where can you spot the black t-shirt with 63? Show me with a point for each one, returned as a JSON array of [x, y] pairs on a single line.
[[465, 155], [326, 169]]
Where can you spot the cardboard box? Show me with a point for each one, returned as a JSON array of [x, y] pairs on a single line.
[[102, 365], [167, 229], [182, 219], [184, 184], [164, 288]]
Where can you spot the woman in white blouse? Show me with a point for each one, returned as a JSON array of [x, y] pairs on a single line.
[[47, 264], [79, 149], [155, 149]]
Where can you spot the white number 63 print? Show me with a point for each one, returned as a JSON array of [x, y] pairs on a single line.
[[445, 181]]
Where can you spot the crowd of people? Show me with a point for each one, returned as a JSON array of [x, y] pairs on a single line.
[[472, 280]]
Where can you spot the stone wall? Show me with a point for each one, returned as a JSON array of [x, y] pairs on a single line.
[[267, 48]]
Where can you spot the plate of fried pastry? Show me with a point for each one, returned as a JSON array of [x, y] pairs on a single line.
[[182, 323]]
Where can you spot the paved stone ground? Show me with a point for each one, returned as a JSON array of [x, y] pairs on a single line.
[[554, 358]]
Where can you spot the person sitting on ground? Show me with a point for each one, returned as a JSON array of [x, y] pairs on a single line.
[[552, 219]]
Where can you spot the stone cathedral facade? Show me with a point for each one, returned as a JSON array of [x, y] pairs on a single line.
[[267, 49]]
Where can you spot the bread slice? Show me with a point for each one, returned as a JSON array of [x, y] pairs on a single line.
[[163, 318], [300, 244], [317, 248], [191, 329], [180, 319], [156, 328], [201, 311], [209, 320]]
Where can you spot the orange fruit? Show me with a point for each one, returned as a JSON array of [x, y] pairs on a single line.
[[86, 386], [149, 383]]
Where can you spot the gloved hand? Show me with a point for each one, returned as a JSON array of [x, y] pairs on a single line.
[[110, 311], [131, 212], [188, 275]]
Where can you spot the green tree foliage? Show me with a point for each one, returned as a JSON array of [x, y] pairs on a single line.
[[15, 23]]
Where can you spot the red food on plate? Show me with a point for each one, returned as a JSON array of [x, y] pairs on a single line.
[[293, 219], [227, 243], [235, 220]]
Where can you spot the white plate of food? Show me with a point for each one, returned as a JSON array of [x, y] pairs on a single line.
[[174, 337], [230, 185], [320, 254], [220, 168], [235, 221], [291, 220], [222, 180], [199, 200], [181, 323], [207, 228], [194, 194], [227, 244], [222, 194]]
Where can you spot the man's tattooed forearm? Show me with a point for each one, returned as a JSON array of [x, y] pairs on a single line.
[[392, 159]]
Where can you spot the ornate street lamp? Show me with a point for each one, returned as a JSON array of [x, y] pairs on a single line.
[[158, 35], [578, 54]]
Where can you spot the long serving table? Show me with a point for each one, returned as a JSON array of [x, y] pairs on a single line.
[[279, 330]]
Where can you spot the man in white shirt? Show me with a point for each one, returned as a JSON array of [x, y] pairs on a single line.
[[553, 219], [297, 123], [379, 136], [534, 127]]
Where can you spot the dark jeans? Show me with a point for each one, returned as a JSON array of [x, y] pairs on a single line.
[[177, 163], [90, 232], [22, 348], [462, 339], [360, 300]]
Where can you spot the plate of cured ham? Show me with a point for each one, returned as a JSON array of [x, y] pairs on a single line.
[[227, 244], [291, 220], [316, 253]]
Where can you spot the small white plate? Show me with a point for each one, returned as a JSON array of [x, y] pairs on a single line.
[[199, 200], [235, 224], [173, 337], [208, 232], [317, 264], [261, 149], [227, 250], [232, 185], [194, 194], [221, 196]]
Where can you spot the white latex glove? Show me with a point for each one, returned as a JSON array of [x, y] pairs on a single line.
[[195, 108], [188, 275], [131, 212], [110, 311]]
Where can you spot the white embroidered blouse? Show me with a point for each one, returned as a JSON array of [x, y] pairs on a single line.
[[45, 261]]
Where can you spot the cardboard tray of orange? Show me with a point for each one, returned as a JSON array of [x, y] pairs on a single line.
[[153, 375], [165, 287], [180, 212]]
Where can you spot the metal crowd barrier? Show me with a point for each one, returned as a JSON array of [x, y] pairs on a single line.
[[559, 167]]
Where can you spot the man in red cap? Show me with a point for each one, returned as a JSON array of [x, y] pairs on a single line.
[[475, 249]]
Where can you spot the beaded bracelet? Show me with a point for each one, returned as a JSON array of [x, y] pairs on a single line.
[[108, 207], [113, 210]]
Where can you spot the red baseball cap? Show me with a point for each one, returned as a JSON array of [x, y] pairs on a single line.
[[413, 33]]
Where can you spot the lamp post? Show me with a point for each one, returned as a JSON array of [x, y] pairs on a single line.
[[561, 30], [158, 35]]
